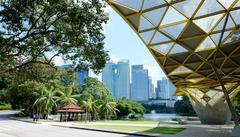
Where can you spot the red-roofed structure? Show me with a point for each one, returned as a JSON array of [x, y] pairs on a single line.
[[70, 112]]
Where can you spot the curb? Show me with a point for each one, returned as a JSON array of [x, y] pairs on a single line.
[[14, 118], [108, 131]]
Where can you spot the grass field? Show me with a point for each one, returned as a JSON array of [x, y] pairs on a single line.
[[141, 129], [134, 122], [132, 126]]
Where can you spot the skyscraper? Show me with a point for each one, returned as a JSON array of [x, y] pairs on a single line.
[[81, 75], [116, 77], [151, 92], [159, 92], [140, 83], [165, 89]]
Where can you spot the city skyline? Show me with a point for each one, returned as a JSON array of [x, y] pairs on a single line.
[[134, 82]]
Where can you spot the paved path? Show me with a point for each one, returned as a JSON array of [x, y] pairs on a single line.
[[12, 128], [207, 131]]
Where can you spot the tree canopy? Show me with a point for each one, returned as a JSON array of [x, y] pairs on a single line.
[[127, 106], [184, 107], [94, 89], [38, 31]]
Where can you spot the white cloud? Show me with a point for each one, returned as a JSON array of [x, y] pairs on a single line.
[[114, 59]]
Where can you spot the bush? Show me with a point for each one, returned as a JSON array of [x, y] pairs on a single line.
[[129, 109], [5, 107], [184, 107]]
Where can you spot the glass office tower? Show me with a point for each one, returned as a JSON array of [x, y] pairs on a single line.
[[140, 83], [116, 76]]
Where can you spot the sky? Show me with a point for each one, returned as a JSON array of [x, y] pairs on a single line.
[[123, 43]]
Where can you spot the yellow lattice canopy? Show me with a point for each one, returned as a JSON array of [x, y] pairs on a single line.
[[182, 35]]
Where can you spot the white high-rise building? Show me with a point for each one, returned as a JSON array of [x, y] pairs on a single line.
[[116, 77], [165, 89], [140, 83]]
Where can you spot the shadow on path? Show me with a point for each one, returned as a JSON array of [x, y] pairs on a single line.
[[5, 115]]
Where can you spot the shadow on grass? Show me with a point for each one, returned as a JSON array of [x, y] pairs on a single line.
[[164, 130], [139, 129], [156, 131]]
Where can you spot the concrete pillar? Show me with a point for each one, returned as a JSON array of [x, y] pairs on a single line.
[[212, 114]]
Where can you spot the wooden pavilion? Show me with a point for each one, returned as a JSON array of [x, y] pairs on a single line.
[[70, 112]]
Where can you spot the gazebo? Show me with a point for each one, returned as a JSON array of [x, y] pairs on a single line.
[[70, 112]]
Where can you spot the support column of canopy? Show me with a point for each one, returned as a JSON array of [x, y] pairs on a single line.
[[210, 104], [233, 112]]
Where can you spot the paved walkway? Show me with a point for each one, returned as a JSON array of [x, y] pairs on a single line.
[[205, 131]]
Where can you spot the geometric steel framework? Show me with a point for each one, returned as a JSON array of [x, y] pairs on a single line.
[[185, 36]]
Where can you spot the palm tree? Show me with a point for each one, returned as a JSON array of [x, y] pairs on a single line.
[[46, 100], [108, 108], [90, 107], [67, 96]]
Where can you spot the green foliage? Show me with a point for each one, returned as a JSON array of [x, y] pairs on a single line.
[[184, 107], [33, 72], [236, 104], [3, 83], [23, 95], [96, 99], [46, 100], [67, 77], [31, 29], [67, 97], [94, 89], [108, 108], [127, 107], [31, 80], [91, 107], [5, 106]]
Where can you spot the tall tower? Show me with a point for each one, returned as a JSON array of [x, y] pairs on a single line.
[[151, 89], [107, 77], [140, 83], [116, 76], [81, 75]]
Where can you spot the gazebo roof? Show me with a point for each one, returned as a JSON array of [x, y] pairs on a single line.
[[71, 108]]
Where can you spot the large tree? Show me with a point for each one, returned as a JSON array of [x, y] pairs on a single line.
[[37, 31], [94, 89]]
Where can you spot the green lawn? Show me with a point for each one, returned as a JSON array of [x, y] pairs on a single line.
[[131, 126], [134, 122], [143, 129]]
